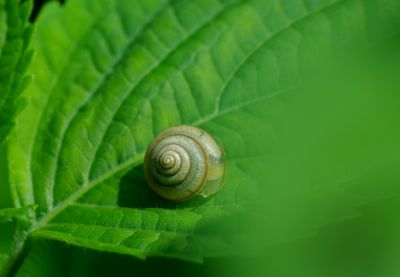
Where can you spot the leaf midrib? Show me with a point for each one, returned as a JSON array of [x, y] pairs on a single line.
[[75, 196]]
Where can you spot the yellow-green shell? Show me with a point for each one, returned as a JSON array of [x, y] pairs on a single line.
[[183, 162]]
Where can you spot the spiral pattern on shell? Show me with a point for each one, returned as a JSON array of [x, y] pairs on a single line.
[[184, 161]]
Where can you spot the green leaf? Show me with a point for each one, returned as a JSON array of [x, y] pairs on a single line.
[[110, 75], [15, 56], [16, 213]]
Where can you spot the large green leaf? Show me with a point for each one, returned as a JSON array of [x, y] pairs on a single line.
[[110, 75], [14, 59]]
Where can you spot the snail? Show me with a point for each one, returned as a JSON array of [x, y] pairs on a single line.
[[183, 162]]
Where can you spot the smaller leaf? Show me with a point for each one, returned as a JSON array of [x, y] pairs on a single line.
[[21, 213]]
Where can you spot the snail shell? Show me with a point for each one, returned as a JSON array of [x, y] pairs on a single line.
[[183, 162]]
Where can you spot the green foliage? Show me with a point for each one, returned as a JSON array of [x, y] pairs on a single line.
[[307, 127], [15, 213], [15, 56]]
